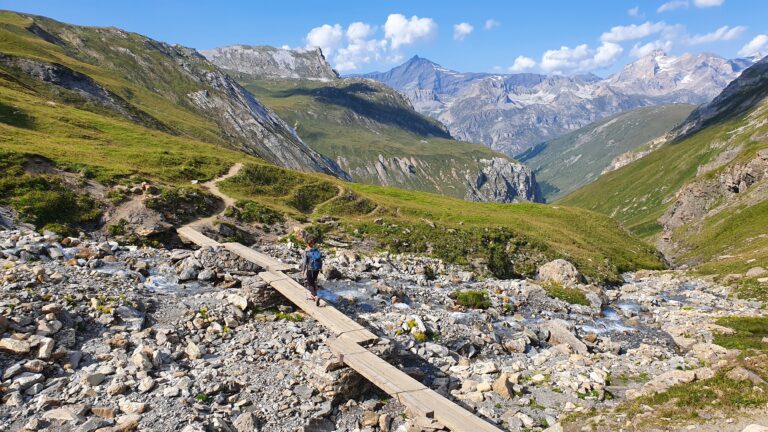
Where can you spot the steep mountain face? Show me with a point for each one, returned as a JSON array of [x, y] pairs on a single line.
[[373, 133], [690, 78], [703, 195], [566, 163], [271, 62], [168, 87], [512, 113]]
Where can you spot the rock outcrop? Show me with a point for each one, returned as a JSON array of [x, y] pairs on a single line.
[[502, 180], [271, 62]]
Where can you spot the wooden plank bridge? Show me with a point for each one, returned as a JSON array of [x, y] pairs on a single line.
[[349, 335]]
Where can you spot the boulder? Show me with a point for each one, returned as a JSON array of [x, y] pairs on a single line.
[[560, 271], [14, 346], [559, 334], [756, 271]]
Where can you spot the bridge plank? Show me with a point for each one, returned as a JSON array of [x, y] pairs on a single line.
[[194, 236], [258, 258]]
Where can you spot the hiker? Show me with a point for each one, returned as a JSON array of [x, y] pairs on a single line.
[[311, 264]]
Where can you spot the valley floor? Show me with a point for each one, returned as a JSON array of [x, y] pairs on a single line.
[[100, 335]]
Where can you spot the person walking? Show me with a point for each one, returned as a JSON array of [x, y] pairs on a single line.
[[311, 264]]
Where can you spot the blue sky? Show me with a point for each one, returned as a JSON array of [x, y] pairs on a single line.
[[503, 36]]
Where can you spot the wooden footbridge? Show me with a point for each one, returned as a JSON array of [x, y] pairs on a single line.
[[348, 343]]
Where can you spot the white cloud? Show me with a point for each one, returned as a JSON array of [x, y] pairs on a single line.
[[633, 31], [491, 23], [724, 33], [708, 3], [359, 30], [327, 37], [757, 45], [640, 50], [351, 48], [522, 63], [580, 58], [635, 12], [403, 31], [359, 52], [462, 30], [672, 5]]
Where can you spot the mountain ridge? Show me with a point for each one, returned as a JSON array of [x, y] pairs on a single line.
[[512, 112]]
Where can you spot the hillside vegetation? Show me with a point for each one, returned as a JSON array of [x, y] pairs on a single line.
[[566, 163], [703, 195], [373, 133], [112, 150]]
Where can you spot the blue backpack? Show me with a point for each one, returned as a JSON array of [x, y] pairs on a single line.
[[314, 259]]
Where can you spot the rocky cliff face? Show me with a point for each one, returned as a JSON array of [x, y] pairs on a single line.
[[132, 75], [511, 113], [271, 62], [501, 180]]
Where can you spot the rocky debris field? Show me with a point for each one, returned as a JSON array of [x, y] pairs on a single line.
[[99, 336]]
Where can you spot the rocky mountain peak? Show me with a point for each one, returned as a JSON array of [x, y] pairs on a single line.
[[271, 62]]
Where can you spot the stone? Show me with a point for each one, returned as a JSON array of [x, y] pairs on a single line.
[[94, 379], [146, 385], [66, 413], [370, 419], [141, 360], [755, 428], [45, 350], [130, 407], [246, 422], [559, 271], [741, 374], [483, 368], [559, 333], [116, 388], [756, 272], [14, 346], [27, 379], [193, 351], [503, 386], [103, 412], [238, 301]]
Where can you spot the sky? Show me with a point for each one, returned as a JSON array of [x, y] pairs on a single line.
[[545, 36]]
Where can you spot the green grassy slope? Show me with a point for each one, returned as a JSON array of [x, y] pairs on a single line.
[[356, 122], [111, 149], [731, 234], [575, 159]]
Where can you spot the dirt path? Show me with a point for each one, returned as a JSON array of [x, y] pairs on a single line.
[[212, 187]]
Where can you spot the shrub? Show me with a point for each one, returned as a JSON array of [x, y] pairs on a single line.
[[306, 197], [249, 211], [182, 204], [568, 295], [473, 299]]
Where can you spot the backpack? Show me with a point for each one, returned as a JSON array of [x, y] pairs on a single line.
[[314, 259]]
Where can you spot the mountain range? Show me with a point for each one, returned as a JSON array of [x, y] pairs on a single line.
[[370, 130], [513, 112]]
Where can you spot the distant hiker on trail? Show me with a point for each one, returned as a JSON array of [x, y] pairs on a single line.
[[311, 264]]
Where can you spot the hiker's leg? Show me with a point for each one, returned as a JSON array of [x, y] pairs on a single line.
[[312, 282]]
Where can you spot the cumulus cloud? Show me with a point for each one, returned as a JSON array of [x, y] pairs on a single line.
[[462, 30], [633, 31], [724, 33], [708, 3], [491, 24], [400, 30], [640, 49], [758, 45], [326, 37], [580, 58], [351, 48], [672, 5], [522, 64], [359, 30], [635, 12]]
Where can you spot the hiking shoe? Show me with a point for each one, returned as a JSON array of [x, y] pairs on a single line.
[[317, 301]]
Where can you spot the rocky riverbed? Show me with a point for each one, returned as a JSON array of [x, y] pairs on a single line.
[[101, 336]]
